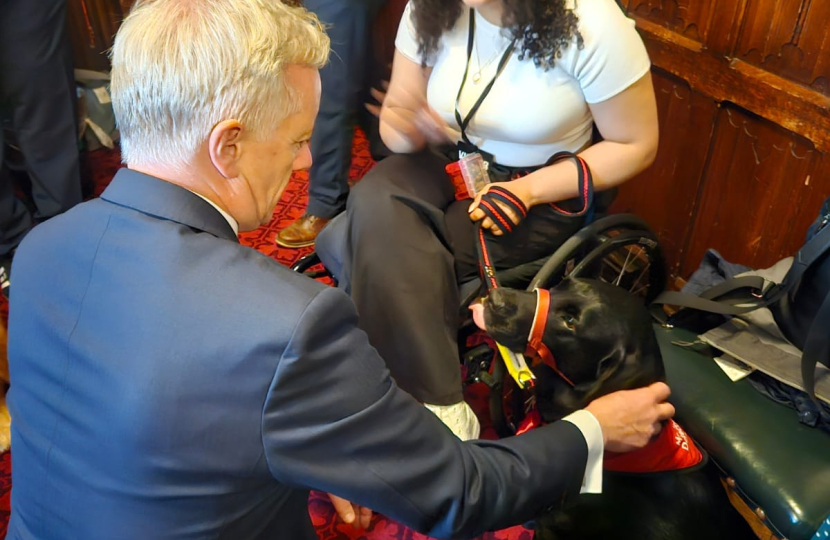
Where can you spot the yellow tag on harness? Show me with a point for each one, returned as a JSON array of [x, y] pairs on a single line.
[[517, 367]]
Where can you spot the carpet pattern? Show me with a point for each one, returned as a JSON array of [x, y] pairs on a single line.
[[98, 168]]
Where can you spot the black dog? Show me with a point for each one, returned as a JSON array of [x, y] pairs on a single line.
[[602, 340]]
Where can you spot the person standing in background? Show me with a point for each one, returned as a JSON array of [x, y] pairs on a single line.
[[37, 96], [345, 81]]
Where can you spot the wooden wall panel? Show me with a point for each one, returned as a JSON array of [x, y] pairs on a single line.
[[793, 106], [759, 192], [689, 18], [92, 26], [789, 39], [758, 74], [726, 23], [664, 195]]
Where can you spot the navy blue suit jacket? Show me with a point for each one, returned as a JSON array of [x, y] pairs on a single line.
[[170, 383]]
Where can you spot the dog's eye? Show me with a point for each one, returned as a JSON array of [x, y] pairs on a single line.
[[570, 320]]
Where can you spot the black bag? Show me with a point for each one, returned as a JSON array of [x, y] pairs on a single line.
[[797, 310], [800, 304]]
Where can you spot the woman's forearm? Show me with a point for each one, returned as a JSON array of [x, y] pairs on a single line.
[[611, 164], [398, 130], [628, 121]]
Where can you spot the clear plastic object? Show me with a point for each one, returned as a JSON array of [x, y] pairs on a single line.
[[474, 171]]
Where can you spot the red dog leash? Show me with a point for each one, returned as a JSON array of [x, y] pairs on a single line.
[[496, 203], [535, 346]]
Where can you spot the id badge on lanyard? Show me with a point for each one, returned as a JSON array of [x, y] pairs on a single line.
[[464, 145], [466, 148]]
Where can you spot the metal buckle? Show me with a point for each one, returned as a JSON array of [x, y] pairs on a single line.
[[517, 367]]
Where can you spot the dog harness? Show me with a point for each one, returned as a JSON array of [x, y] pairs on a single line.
[[493, 203], [516, 365], [672, 450], [535, 346]]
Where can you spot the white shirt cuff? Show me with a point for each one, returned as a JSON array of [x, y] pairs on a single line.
[[592, 431]]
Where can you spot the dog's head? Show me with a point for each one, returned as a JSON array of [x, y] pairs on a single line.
[[600, 336]]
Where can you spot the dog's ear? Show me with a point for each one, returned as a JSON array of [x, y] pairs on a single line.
[[610, 363]]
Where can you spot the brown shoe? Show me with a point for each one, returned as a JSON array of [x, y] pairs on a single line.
[[302, 232]]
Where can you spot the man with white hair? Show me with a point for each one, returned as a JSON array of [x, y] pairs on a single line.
[[170, 383]]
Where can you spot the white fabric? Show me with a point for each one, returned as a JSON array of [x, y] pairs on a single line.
[[103, 138], [232, 222], [463, 422], [592, 431], [459, 417], [530, 114]]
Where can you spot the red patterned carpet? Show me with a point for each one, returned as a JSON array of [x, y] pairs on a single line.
[[99, 167]]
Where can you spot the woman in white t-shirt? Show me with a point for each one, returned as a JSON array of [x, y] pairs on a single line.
[[557, 69]]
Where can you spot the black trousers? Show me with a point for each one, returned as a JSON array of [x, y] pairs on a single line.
[[345, 80], [401, 250], [37, 94]]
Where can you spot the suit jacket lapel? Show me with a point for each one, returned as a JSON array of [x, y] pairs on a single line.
[[153, 196]]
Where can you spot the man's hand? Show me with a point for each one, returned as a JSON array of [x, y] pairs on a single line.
[[630, 418], [358, 516]]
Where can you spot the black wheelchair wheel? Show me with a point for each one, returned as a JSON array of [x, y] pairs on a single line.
[[619, 249], [310, 265]]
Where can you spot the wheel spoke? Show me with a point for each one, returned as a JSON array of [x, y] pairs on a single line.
[[645, 269], [624, 266], [644, 286]]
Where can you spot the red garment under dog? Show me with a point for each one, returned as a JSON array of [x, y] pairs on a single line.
[[672, 450]]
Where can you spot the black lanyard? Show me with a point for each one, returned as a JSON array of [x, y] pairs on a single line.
[[503, 62]]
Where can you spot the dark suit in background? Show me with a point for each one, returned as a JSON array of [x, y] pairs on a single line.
[[170, 383], [344, 83], [37, 96]]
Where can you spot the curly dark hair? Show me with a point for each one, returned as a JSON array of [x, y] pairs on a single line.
[[542, 28]]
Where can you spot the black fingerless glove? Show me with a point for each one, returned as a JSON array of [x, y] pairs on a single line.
[[489, 205]]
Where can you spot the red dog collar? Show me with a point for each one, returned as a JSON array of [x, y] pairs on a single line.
[[535, 347]]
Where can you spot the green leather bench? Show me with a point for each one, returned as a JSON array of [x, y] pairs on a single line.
[[779, 467]]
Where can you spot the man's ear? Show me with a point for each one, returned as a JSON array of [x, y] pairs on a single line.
[[225, 148]]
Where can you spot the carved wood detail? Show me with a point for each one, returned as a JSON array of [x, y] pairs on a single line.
[[789, 39], [768, 95], [690, 18]]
